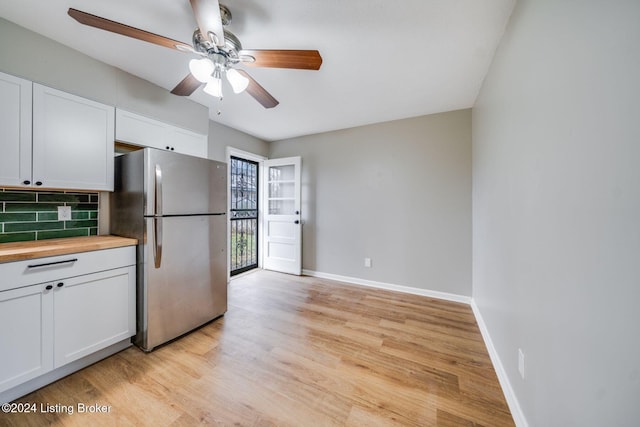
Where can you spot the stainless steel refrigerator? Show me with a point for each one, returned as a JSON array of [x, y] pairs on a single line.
[[175, 206]]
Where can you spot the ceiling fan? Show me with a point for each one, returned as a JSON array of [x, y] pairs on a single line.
[[219, 49]]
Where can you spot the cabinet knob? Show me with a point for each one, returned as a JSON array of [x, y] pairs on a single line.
[[26, 182], [168, 147], [60, 285], [172, 148], [38, 182], [49, 287]]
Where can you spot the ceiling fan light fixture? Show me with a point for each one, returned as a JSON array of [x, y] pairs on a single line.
[[214, 87], [201, 69], [238, 82]]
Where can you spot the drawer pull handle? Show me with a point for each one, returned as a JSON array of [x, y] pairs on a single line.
[[46, 264]]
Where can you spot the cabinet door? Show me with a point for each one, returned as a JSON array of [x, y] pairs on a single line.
[[15, 131], [187, 142], [92, 312], [135, 129], [73, 141], [26, 335], [139, 130]]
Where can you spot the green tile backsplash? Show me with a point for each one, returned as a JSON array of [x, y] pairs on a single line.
[[33, 215]]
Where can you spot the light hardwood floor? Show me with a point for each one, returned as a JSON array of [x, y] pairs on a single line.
[[296, 351]]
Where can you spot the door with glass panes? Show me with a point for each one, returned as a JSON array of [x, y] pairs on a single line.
[[282, 221]]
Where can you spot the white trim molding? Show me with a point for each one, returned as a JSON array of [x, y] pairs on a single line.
[[390, 287], [231, 151], [505, 384]]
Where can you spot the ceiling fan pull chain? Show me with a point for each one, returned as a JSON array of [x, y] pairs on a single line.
[[219, 109]]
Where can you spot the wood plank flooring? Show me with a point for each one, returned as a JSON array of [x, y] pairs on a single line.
[[296, 351]]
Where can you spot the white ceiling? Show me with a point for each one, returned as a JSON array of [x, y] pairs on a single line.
[[382, 60]]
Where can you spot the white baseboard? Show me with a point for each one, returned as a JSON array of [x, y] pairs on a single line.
[[390, 287], [509, 394]]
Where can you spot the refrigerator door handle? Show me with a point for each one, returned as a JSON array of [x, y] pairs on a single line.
[[157, 219], [157, 241], [158, 190]]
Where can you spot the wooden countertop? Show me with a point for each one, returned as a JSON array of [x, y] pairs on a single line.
[[18, 251]]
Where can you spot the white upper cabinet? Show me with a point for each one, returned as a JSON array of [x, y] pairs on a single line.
[[140, 130], [15, 130], [51, 139], [73, 141], [186, 142]]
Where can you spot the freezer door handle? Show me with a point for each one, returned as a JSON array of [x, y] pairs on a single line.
[[157, 241], [158, 190]]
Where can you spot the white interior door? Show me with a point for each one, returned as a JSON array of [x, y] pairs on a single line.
[[282, 248]]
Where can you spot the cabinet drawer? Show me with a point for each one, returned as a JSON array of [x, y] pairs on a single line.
[[23, 273]]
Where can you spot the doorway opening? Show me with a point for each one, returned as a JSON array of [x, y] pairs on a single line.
[[243, 215]]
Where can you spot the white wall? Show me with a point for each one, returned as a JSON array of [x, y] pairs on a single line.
[[396, 192], [556, 209]]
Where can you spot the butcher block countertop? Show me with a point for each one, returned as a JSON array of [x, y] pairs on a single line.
[[18, 251]]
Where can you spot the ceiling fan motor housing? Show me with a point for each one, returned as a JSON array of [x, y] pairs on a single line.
[[207, 48]]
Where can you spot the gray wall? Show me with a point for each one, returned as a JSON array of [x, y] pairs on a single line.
[[26, 54], [221, 136], [556, 210], [397, 192]]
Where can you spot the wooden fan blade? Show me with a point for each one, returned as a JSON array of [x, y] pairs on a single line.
[[118, 28], [187, 86], [258, 92], [299, 59], [207, 13]]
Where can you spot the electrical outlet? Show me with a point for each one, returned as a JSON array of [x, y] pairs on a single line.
[[367, 262], [64, 213], [521, 362]]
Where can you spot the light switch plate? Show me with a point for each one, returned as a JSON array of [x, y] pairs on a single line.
[[64, 213]]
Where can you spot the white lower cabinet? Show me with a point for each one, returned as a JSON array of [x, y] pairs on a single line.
[[91, 312], [26, 336], [50, 325]]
